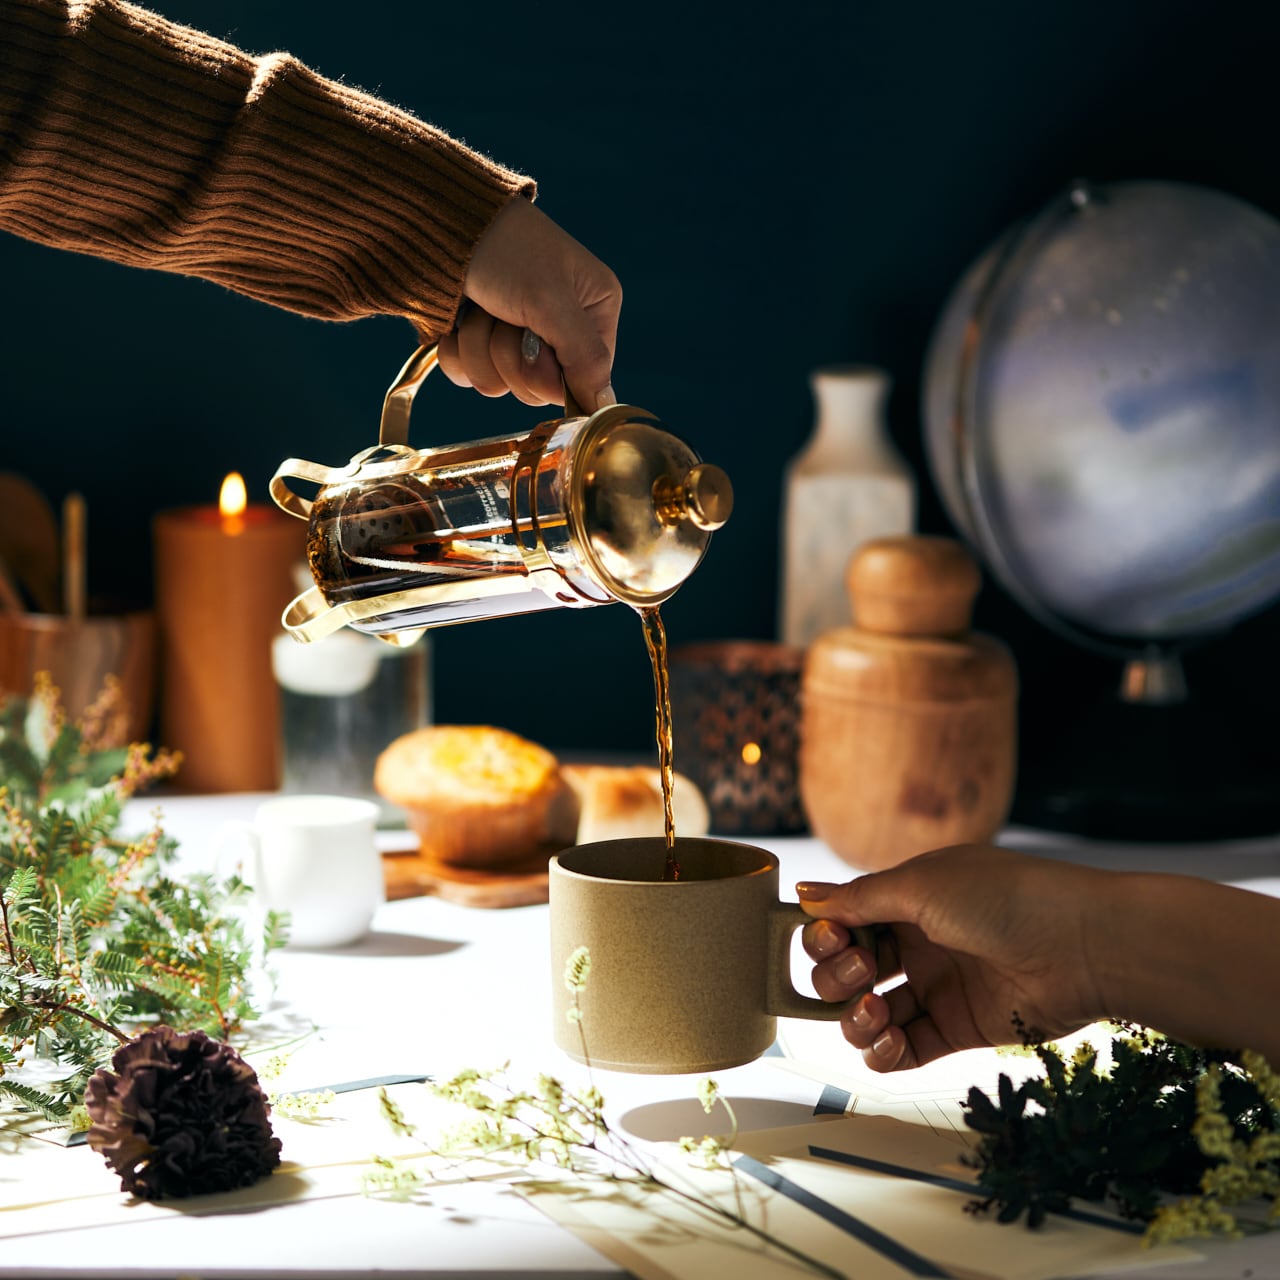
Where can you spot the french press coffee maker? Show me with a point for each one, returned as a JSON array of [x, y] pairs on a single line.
[[582, 510]]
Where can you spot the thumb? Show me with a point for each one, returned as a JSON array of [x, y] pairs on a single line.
[[876, 898]]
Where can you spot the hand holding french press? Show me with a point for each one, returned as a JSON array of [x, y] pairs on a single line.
[[528, 276], [579, 511]]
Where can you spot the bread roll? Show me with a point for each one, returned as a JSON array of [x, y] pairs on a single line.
[[615, 802]]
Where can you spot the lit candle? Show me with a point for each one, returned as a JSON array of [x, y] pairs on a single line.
[[223, 577], [233, 500]]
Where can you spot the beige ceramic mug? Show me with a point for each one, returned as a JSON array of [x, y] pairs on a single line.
[[686, 975]]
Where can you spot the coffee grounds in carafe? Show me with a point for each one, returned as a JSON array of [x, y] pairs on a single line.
[[390, 535], [361, 539]]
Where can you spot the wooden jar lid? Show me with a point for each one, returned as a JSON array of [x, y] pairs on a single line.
[[912, 602], [912, 586]]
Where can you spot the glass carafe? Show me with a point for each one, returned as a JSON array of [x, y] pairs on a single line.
[[582, 510]]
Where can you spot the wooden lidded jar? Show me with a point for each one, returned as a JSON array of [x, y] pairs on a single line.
[[908, 719]]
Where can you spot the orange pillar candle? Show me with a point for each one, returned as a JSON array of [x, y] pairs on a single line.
[[223, 578]]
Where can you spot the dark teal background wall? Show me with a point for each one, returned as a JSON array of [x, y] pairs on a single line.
[[777, 186]]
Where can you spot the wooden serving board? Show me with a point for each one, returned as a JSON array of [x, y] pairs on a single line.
[[410, 874]]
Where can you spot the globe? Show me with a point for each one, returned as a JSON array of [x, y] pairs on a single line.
[[1102, 419], [1102, 407]]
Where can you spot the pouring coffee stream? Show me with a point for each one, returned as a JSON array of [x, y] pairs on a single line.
[[583, 510]]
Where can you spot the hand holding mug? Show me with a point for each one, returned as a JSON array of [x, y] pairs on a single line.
[[686, 975]]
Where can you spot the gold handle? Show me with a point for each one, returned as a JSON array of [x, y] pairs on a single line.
[[297, 469], [393, 434], [572, 409], [394, 428]]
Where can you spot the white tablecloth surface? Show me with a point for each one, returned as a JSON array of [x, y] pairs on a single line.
[[437, 986]]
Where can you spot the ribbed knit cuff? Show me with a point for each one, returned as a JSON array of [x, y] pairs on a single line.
[[132, 138]]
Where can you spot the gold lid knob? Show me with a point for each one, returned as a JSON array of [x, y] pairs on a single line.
[[704, 497], [710, 496]]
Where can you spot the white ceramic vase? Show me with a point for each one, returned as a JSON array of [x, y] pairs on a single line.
[[847, 485]]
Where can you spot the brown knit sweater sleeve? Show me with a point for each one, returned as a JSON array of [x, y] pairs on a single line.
[[128, 137]]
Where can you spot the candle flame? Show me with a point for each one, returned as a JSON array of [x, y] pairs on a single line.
[[751, 753], [232, 498], [232, 502]]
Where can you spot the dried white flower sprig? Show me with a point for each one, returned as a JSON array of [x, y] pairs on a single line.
[[552, 1127]]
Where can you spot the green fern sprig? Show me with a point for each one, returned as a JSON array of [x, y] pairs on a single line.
[[97, 938]]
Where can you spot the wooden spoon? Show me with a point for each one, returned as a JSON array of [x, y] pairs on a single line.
[[73, 556], [29, 541]]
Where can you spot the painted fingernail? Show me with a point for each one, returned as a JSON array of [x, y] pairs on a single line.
[[851, 969], [814, 890], [861, 1015], [882, 1046], [824, 938], [530, 346]]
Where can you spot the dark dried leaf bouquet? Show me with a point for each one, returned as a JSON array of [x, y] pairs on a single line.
[[1181, 1138]]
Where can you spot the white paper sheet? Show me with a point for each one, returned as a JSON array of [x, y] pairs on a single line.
[[865, 1222]]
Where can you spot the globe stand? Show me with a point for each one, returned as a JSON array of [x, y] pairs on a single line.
[[1156, 678], [1148, 762]]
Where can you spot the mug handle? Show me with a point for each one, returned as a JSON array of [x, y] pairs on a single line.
[[781, 997]]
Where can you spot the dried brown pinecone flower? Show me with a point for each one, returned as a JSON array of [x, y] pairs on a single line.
[[181, 1115]]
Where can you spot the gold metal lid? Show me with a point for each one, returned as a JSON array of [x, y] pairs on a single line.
[[644, 503]]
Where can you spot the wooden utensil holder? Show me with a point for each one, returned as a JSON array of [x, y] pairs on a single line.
[[78, 655]]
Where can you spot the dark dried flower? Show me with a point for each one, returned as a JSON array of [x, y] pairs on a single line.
[[181, 1115]]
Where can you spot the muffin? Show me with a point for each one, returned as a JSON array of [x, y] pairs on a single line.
[[475, 795]]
